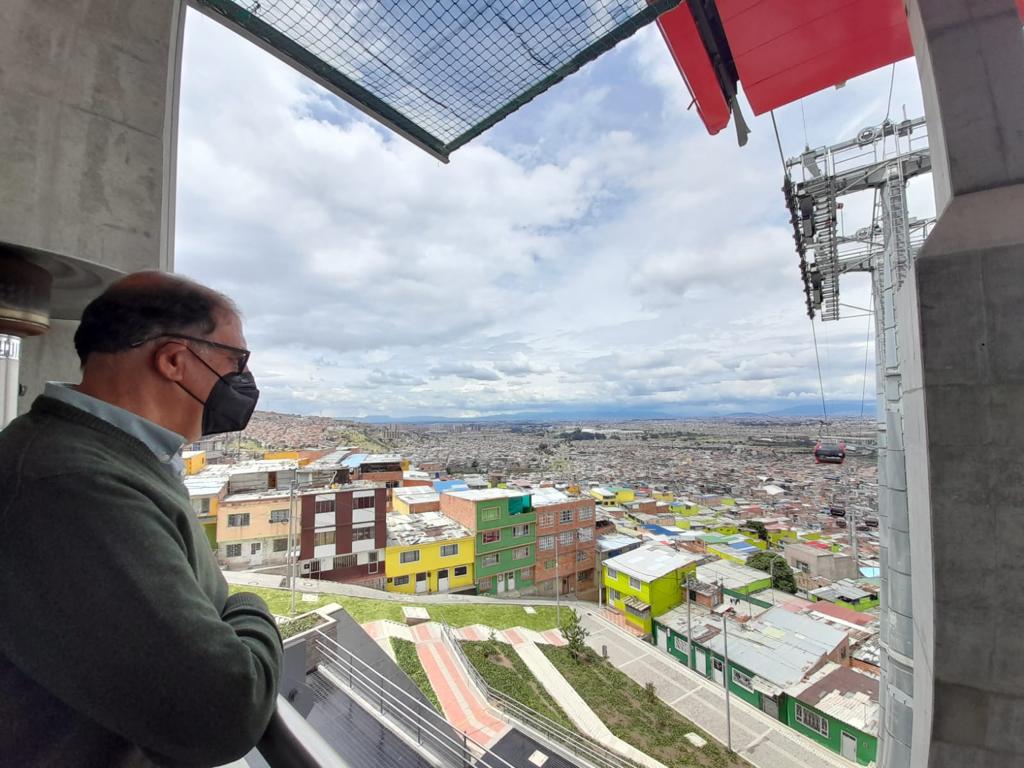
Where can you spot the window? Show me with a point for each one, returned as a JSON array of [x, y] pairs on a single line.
[[363, 502], [391, 484], [461, 570], [254, 549], [345, 561], [587, 575], [812, 720], [640, 612], [371, 557], [520, 530], [280, 545], [489, 513], [587, 513], [547, 519], [314, 566], [489, 537], [546, 542], [279, 515], [321, 506], [238, 521], [485, 584], [614, 594], [586, 534], [320, 538], [802, 566], [366, 533], [400, 581], [612, 573], [234, 550], [582, 555], [412, 556], [520, 553], [449, 550], [565, 538], [489, 560], [742, 680], [526, 574], [566, 516], [549, 564], [634, 583], [681, 645], [201, 506]]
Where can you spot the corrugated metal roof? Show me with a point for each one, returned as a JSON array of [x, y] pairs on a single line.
[[651, 561]]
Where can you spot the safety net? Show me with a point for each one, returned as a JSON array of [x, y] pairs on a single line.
[[440, 72]]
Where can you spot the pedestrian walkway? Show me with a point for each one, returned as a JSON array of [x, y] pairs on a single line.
[[764, 741], [385, 628], [577, 710]]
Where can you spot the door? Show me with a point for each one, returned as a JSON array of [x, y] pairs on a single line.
[[500, 579], [849, 746], [719, 669], [770, 706], [510, 580], [442, 580], [663, 640], [422, 585], [700, 661], [256, 554]]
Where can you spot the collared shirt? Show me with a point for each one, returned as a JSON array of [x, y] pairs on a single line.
[[165, 444]]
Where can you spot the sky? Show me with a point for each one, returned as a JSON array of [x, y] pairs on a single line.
[[595, 254]]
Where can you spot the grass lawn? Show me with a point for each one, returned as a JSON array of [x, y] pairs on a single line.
[[365, 609], [637, 718], [409, 661], [506, 672], [290, 628]]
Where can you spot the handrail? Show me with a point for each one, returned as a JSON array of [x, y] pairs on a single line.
[[578, 744], [418, 720], [291, 742]]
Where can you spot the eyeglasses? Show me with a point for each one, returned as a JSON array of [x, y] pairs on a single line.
[[242, 355]]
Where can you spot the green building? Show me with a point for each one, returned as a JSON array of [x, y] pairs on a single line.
[[504, 524]]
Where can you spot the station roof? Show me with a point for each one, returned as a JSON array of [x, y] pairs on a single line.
[[437, 73]]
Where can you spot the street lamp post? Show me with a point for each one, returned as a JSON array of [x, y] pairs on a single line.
[[725, 679], [689, 626], [558, 585], [291, 538]]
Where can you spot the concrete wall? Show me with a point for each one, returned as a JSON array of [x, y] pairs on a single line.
[[87, 131]]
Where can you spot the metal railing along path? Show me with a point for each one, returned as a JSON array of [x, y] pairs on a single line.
[[582, 747]]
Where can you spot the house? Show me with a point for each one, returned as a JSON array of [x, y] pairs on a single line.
[[343, 533], [837, 707], [427, 553], [504, 523], [736, 580], [847, 594], [415, 499], [565, 543], [646, 582], [616, 495], [206, 491], [252, 528], [818, 560]]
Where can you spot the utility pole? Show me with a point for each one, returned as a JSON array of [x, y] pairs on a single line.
[[689, 626], [725, 679], [558, 584], [291, 538]]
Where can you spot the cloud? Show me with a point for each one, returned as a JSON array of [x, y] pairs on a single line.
[[596, 247]]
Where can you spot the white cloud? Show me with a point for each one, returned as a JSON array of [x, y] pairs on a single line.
[[597, 247]]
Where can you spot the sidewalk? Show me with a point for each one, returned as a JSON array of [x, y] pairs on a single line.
[[765, 742], [582, 716]]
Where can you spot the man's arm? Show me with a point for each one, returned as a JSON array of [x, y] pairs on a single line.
[[100, 606]]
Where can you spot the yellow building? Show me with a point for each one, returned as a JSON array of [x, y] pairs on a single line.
[[426, 553], [195, 462], [612, 494], [415, 499], [646, 582], [206, 490]]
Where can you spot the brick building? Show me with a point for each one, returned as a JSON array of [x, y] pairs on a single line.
[[565, 544]]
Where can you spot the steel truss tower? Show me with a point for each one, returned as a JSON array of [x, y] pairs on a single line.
[[880, 160]]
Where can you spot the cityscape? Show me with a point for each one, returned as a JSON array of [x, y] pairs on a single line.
[[670, 533]]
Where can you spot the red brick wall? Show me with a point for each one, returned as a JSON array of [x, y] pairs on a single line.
[[462, 511]]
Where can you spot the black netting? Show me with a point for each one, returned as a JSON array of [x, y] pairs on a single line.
[[440, 71]]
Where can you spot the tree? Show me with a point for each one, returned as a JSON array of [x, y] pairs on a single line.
[[575, 635], [757, 527], [777, 567]]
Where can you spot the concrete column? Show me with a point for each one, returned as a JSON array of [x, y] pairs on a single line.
[[961, 338], [88, 111]]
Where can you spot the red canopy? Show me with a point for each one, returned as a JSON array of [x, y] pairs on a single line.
[[780, 50]]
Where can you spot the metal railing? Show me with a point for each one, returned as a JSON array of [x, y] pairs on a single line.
[[582, 747], [417, 721], [291, 742]]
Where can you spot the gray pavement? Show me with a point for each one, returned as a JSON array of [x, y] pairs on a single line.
[[763, 741]]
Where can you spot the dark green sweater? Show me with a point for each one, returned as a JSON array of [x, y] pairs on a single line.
[[119, 644]]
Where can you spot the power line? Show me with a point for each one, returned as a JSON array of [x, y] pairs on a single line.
[[821, 385], [892, 80], [864, 384]]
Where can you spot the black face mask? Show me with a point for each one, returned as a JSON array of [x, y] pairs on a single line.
[[230, 404]]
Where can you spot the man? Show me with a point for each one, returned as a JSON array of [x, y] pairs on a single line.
[[119, 644]]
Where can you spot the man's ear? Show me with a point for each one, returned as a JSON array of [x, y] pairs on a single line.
[[169, 360]]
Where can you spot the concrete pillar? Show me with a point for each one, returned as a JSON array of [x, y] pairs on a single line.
[[961, 339], [88, 110]]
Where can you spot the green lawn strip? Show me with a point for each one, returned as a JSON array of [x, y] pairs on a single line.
[[366, 609], [409, 661], [505, 671], [636, 717], [290, 628]]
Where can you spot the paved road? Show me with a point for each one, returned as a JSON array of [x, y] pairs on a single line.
[[764, 742]]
